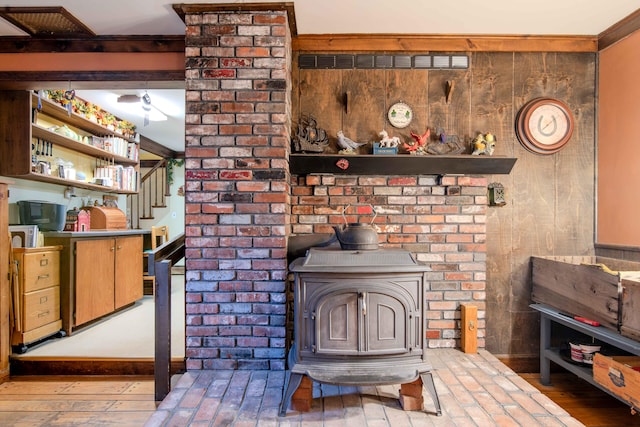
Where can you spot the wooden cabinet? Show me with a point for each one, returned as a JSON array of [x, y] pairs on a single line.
[[36, 295], [101, 272], [41, 138]]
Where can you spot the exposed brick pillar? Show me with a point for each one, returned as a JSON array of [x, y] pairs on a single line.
[[237, 188]]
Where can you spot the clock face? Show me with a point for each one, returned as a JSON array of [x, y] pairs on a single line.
[[544, 125]]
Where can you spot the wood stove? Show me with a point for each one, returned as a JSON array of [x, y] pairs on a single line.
[[358, 320]]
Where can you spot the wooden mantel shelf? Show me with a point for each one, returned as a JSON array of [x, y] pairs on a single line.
[[369, 164]]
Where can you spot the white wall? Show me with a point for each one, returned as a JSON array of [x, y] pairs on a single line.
[[33, 190]]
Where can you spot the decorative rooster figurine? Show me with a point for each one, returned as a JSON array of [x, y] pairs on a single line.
[[421, 142]]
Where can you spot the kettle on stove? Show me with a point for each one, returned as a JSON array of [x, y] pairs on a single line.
[[357, 235]]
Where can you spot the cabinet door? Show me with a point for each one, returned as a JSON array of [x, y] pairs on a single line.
[[128, 270], [94, 290], [386, 323]]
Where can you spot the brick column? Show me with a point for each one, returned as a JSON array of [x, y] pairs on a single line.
[[237, 188]]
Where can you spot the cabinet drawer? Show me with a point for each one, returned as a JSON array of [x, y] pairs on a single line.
[[41, 270], [41, 307]]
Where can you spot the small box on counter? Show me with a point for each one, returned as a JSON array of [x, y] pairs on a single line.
[[620, 375], [104, 218]]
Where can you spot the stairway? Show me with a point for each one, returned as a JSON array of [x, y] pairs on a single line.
[[154, 189]]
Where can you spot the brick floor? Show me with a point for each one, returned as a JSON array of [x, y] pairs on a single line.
[[474, 390]]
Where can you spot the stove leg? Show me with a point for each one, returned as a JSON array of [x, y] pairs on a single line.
[[292, 385], [427, 380]]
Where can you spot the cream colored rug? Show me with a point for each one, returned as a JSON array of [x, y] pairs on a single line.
[[128, 333]]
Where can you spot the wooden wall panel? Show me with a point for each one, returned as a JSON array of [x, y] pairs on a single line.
[[492, 98], [453, 116], [365, 115], [550, 207]]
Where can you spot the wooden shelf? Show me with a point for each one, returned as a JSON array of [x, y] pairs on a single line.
[[72, 183], [57, 111], [369, 164], [63, 141]]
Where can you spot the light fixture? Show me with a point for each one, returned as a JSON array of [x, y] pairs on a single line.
[[141, 106]]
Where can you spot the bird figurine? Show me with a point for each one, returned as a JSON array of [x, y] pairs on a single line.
[[346, 144], [420, 144], [484, 144]]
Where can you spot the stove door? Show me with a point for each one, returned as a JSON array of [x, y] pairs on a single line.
[[336, 324], [361, 322], [386, 320]]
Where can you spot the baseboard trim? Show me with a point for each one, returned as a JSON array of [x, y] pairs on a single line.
[[25, 366]]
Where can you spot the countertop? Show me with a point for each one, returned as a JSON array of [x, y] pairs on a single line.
[[94, 233]]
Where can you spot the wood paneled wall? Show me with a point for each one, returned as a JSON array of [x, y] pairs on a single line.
[[550, 199]]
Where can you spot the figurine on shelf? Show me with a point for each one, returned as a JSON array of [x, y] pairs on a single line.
[[484, 144], [445, 144], [419, 147], [386, 141], [309, 137], [347, 145]]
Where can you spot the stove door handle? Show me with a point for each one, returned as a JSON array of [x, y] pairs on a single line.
[[363, 298]]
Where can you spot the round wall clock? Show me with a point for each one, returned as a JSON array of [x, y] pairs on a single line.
[[400, 115], [544, 125]]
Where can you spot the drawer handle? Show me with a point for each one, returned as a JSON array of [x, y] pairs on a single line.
[[112, 249], [44, 262], [43, 300], [43, 276], [119, 247], [43, 313]]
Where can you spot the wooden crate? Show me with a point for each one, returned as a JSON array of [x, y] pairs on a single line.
[[630, 322], [582, 286], [617, 374]]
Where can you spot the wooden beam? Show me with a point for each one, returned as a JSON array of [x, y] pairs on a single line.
[[150, 146], [156, 79], [100, 44], [441, 43], [619, 30]]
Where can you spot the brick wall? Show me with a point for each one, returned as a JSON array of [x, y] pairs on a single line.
[[441, 220], [241, 202], [237, 188]]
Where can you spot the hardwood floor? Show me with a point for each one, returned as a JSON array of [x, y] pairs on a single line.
[[585, 402], [80, 401]]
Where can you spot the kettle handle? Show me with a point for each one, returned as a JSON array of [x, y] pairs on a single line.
[[375, 214]]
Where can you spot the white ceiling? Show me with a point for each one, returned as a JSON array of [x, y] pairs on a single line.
[[577, 17], [507, 17]]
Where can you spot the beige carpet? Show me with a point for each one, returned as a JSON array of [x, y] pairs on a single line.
[[129, 333]]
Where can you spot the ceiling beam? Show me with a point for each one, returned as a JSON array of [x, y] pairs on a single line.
[[153, 147], [98, 44]]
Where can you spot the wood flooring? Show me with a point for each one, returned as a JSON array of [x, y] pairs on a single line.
[[585, 402], [129, 401], [81, 401]]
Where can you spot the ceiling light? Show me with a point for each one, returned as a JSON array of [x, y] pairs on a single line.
[[141, 106]]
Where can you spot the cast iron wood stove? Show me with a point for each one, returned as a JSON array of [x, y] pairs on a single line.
[[358, 320]]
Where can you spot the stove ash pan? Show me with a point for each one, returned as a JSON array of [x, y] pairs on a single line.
[[356, 261]]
